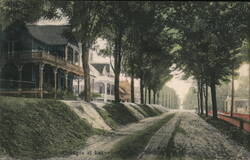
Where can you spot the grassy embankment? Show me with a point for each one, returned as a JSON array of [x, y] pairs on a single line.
[[34, 128], [239, 136], [117, 114], [150, 111], [131, 146]]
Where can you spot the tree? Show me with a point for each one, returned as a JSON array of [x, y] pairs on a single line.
[[116, 25], [86, 24], [212, 39], [20, 10], [190, 100]]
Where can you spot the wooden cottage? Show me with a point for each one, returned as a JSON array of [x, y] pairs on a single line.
[[38, 59]]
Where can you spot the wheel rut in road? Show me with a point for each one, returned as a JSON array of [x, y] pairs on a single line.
[[189, 137]]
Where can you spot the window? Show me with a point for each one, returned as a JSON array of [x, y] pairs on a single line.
[[108, 89], [112, 90], [101, 89]]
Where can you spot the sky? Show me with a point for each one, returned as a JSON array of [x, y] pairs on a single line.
[[180, 86]]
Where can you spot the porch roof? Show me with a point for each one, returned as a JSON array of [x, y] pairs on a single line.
[[49, 34]]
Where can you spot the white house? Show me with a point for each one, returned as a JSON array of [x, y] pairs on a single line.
[[102, 78]]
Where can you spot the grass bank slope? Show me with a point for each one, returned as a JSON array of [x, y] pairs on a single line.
[[118, 114], [34, 128]]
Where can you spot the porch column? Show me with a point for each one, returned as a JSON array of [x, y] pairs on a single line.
[[20, 69], [41, 68], [80, 54], [78, 86], [55, 81], [74, 55], [66, 79], [105, 92], [66, 52]]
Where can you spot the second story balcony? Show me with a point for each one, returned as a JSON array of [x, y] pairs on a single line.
[[46, 57]]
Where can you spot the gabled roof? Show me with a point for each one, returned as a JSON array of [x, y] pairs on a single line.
[[100, 66], [49, 34]]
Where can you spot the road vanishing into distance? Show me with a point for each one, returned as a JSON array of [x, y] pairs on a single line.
[[185, 136]]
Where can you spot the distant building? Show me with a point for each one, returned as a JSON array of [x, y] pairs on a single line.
[[102, 80], [240, 105], [38, 59]]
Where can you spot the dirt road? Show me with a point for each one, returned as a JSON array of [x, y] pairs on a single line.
[[184, 137], [189, 137]]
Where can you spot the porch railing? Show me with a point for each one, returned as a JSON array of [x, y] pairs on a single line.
[[46, 57]]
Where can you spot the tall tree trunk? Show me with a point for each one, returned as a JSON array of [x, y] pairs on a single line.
[[201, 97], [149, 95], [141, 90], [117, 61], [154, 97], [169, 99], [145, 94], [158, 97], [117, 81], [232, 93], [198, 97], [206, 99], [85, 61], [214, 102], [132, 88], [249, 83]]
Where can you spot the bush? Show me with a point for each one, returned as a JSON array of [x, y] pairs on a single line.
[[66, 94], [93, 95], [35, 128]]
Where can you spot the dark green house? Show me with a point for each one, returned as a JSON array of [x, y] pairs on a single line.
[[38, 59]]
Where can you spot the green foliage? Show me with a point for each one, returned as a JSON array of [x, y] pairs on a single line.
[[19, 10], [107, 118], [212, 40], [66, 94], [147, 47], [34, 128], [93, 95]]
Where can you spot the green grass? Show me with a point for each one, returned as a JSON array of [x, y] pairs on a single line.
[[107, 118], [140, 110], [120, 114], [149, 111], [34, 128], [239, 136], [131, 146]]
